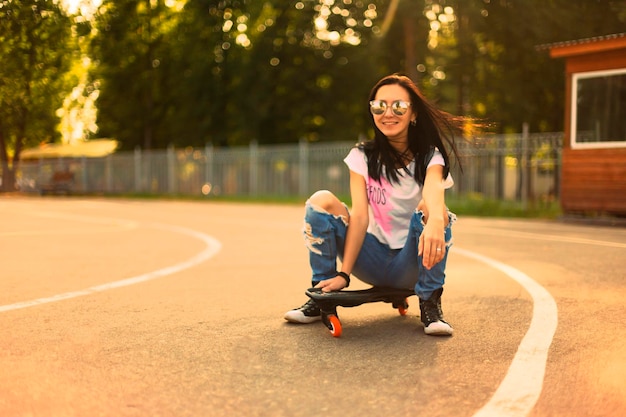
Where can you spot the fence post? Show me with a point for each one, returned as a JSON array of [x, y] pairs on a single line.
[[108, 181], [525, 166], [83, 177], [137, 158], [39, 178], [208, 169], [171, 169], [303, 156], [557, 169], [500, 167], [254, 167]]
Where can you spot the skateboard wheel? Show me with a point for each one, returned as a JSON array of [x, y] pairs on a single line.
[[402, 307], [334, 325]]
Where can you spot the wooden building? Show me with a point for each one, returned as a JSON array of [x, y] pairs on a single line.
[[593, 177]]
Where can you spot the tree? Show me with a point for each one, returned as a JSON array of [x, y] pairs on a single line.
[[228, 72], [231, 71], [35, 52], [132, 53], [499, 73]]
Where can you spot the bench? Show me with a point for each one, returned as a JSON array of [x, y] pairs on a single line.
[[60, 183]]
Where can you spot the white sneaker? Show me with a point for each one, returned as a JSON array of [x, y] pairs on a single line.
[[439, 328], [432, 316], [308, 313]]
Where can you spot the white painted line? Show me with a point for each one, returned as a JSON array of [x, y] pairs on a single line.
[[213, 246], [520, 389], [106, 224], [550, 238]]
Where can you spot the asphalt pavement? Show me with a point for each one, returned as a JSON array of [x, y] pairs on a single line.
[[112, 307]]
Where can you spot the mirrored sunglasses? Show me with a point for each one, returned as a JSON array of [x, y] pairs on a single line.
[[398, 107]]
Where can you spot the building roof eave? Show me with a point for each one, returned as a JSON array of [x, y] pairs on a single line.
[[585, 46]]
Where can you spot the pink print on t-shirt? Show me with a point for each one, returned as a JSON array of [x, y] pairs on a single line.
[[377, 194]]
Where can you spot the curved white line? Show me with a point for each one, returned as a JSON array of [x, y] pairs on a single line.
[[213, 246], [550, 238], [108, 224], [520, 389]]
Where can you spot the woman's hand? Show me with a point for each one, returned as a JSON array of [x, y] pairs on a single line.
[[432, 244], [332, 284]]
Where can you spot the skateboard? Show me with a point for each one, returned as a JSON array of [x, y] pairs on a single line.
[[329, 301]]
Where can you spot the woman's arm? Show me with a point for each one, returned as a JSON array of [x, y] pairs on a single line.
[[435, 215], [359, 220], [357, 228]]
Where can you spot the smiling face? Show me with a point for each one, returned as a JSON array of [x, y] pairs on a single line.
[[392, 125]]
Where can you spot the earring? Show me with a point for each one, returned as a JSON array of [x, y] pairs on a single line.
[[414, 122]]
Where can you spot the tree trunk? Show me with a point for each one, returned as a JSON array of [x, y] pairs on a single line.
[[8, 173], [410, 48]]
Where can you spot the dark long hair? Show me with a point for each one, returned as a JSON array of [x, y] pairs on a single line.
[[433, 127]]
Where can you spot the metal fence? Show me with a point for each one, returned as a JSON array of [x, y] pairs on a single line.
[[515, 167]]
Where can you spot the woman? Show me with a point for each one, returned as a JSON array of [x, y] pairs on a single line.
[[399, 229]]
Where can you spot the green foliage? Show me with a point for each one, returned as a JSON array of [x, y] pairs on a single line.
[[467, 205], [476, 205], [34, 51], [498, 73], [190, 72], [133, 55], [233, 71], [230, 72]]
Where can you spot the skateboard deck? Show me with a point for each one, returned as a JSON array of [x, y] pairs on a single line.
[[329, 301]]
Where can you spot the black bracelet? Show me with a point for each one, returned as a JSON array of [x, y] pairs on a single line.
[[344, 276]]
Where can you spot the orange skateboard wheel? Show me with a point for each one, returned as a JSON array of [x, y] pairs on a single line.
[[334, 325]]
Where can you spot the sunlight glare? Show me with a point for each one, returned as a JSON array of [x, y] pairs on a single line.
[[85, 7]]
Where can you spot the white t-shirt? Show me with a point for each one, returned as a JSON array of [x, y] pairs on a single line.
[[392, 205]]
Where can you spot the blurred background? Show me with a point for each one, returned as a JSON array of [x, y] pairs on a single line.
[[172, 90]]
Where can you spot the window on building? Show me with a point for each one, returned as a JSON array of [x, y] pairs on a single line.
[[599, 109]]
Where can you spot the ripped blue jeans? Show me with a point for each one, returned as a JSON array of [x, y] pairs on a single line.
[[377, 264]]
